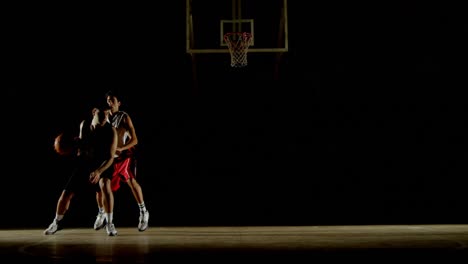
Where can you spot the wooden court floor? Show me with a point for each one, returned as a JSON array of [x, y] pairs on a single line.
[[286, 244]]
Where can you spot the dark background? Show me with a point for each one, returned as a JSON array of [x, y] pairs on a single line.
[[364, 124]]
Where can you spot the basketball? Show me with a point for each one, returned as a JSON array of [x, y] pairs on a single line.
[[64, 144]]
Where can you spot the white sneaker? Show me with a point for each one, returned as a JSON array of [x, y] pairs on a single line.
[[144, 217], [54, 227], [100, 221], [110, 228]]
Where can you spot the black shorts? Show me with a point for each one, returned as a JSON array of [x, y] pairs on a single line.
[[79, 179]]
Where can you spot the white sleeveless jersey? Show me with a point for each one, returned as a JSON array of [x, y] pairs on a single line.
[[116, 122]]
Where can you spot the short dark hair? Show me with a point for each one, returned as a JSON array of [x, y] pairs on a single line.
[[112, 93]]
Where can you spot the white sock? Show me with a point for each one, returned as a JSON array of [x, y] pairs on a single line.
[[109, 217], [142, 207], [58, 217]]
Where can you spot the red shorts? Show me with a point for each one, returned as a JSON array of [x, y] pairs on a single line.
[[124, 169]]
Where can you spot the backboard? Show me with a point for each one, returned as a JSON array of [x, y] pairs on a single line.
[[207, 21]]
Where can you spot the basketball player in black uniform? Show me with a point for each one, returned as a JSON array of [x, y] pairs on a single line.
[[92, 169]]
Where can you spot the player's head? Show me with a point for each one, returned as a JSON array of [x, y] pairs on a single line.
[[113, 100]]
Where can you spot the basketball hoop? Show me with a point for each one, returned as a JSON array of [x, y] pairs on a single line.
[[238, 44]]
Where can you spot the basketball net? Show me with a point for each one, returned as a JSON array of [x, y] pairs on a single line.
[[238, 44]]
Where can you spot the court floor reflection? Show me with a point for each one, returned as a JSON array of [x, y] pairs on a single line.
[[235, 244]]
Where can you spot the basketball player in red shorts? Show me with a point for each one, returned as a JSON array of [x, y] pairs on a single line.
[[124, 162]]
